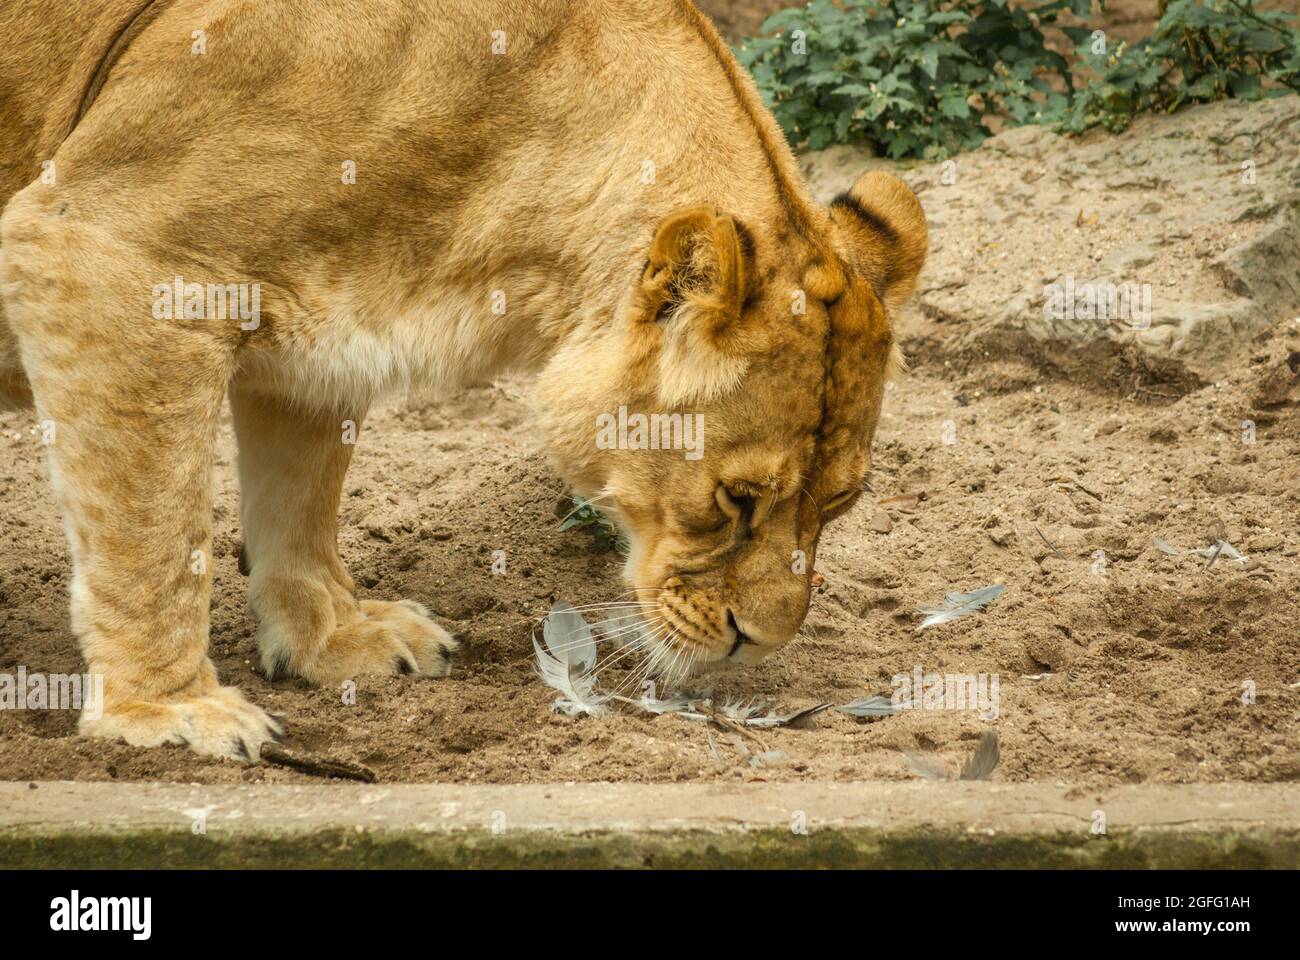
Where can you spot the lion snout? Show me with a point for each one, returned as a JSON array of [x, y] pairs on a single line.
[[753, 638]]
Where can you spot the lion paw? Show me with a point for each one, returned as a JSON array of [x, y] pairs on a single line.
[[387, 638], [219, 724]]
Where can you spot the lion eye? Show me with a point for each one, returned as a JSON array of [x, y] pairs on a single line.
[[735, 505], [841, 498]]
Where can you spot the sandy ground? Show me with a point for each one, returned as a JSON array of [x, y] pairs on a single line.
[[1124, 666], [1148, 654]]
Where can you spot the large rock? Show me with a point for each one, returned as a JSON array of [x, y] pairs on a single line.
[[1195, 215]]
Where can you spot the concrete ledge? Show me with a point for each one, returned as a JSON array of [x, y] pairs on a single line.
[[889, 825]]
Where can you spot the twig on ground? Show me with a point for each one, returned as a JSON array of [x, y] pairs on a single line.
[[1048, 543], [277, 755], [724, 723]]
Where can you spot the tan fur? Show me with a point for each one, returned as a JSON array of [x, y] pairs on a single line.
[[890, 252], [482, 180]]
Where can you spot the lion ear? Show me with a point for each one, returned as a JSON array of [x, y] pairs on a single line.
[[880, 225], [693, 291]]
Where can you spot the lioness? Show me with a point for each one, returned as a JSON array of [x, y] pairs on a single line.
[[418, 193]]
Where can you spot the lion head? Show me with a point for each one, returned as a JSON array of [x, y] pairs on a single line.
[[725, 416]]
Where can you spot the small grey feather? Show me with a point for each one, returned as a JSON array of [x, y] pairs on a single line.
[[713, 746], [677, 703], [743, 710], [979, 766], [1212, 553], [957, 605], [985, 758], [1166, 548], [926, 767], [870, 707], [796, 719], [569, 637]]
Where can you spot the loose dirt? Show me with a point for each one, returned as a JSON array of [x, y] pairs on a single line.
[[1116, 663], [1124, 667]]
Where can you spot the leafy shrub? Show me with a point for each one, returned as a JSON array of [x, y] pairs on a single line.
[[1199, 53], [916, 77], [921, 77]]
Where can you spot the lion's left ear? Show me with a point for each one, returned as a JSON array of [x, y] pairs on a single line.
[[880, 226], [693, 291]]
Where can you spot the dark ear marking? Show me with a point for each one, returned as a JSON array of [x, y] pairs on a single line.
[[749, 256], [880, 232], [746, 240], [846, 201], [880, 277]]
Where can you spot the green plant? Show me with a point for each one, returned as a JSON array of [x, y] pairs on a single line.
[[923, 77], [913, 77], [582, 515], [1201, 51]]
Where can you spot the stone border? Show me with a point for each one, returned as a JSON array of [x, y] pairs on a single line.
[[881, 825]]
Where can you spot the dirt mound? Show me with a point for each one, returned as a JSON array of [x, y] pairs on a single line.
[[1179, 237]]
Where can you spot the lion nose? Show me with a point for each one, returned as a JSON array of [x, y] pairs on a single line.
[[745, 636], [750, 644]]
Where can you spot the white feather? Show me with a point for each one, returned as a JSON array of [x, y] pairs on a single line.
[[566, 663]]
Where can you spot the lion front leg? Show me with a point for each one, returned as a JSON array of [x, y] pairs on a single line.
[[292, 461], [132, 401]]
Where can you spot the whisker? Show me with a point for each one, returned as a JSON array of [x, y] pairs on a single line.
[[601, 626], [639, 590], [670, 674], [684, 667], [574, 644], [586, 502], [642, 626], [804, 490], [642, 616], [640, 643], [689, 670], [611, 658], [654, 643], [624, 605], [634, 680], [664, 657], [627, 680]]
